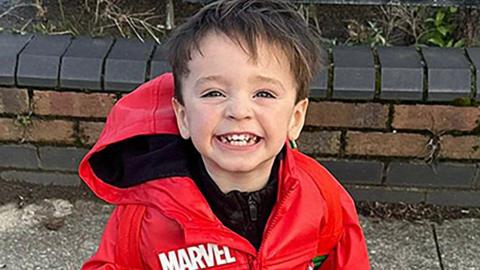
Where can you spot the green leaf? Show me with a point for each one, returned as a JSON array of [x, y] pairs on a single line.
[[439, 17], [425, 37], [438, 36], [449, 44], [443, 30], [453, 9], [437, 41], [459, 43]]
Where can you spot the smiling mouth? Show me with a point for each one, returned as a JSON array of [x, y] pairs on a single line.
[[239, 139]]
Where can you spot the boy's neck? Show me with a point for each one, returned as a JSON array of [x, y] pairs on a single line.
[[241, 181]]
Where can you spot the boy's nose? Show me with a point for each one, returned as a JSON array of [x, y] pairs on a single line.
[[238, 109]]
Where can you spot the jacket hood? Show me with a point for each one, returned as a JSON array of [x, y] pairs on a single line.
[[140, 129]]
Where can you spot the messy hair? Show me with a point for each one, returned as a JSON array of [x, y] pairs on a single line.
[[246, 22]]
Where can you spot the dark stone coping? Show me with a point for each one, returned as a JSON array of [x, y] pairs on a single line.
[[121, 65], [401, 73], [354, 73], [449, 73], [474, 54]]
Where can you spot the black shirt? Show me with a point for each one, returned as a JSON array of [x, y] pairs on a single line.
[[245, 213]]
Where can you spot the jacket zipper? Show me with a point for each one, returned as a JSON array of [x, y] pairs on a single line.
[[252, 208], [276, 217]]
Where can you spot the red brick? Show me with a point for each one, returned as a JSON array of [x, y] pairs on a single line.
[[89, 131], [337, 114], [72, 104], [13, 100], [435, 118], [386, 144], [463, 147], [319, 142], [50, 131], [9, 130]]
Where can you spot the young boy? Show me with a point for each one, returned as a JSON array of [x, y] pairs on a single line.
[[199, 163]]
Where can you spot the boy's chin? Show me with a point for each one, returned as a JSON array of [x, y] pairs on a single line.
[[244, 166]]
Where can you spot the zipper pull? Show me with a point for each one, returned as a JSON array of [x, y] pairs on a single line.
[[252, 207]]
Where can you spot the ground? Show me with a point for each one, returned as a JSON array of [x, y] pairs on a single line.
[[54, 233]]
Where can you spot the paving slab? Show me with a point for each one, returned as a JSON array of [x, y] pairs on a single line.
[[39, 62], [25, 242], [159, 63], [353, 73], [458, 241], [10, 47], [400, 245], [449, 75], [126, 64], [82, 64], [401, 73], [474, 54]]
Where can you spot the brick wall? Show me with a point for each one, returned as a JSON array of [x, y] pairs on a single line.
[[44, 134], [389, 152], [385, 139]]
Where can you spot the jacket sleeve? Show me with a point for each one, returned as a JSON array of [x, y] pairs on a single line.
[[351, 251], [104, 258]]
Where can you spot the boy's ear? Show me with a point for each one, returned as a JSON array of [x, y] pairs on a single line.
[[298, 119], [181, 116]]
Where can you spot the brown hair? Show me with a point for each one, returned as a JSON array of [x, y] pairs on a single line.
[[245, 22]]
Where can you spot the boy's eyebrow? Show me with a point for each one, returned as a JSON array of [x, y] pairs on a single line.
[[264, 79], [258, 78], [212, 78]]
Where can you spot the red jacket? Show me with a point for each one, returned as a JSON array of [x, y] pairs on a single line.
[[179, 230]]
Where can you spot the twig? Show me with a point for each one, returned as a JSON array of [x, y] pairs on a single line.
[[12, 8]]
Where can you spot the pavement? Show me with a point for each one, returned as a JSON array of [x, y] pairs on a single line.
[[60, 234]]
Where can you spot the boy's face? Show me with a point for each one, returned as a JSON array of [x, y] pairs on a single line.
[[238, 113]]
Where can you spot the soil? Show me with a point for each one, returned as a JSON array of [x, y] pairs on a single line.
[[415, 212], [25, 193], [335, 22], [332, 19]]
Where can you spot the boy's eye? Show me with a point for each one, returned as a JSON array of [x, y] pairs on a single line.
[[264, 94], [212, 93]]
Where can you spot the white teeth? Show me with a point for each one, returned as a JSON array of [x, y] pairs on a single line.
[[239, 139]]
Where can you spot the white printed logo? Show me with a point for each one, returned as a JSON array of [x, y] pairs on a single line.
[[196, 257]]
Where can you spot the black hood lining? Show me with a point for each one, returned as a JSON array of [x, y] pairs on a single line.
[[143, 158], [149, 157]]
